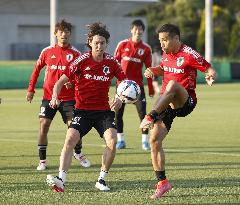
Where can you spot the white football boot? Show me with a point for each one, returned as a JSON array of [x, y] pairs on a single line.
[[101, 185], [82, 160], [42, 166], [55, 183]]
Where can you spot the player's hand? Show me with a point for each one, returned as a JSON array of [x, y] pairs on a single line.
[[209, 80], [148, 73], [54, 103], [29, 96], [116, 103], [146, 123], [68, 85]]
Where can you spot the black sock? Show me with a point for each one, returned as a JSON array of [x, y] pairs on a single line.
[[78, 148], [42, 151], [160, 175]]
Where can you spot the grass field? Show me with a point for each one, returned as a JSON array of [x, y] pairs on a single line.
[[202, 156]]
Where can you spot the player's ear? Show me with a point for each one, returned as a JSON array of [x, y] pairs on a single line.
[[90, 42]]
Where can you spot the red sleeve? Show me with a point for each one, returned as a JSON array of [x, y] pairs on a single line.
[[148, 63], [117, 53], [72, 69], [119, 74], [69, 75], [41, 62], [199, 63]]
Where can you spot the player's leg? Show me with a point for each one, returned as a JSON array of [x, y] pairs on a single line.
[[155, 84], [46, 116], [158, 133], [141, 105], [66, 110], [56, 183], [79, 127], [175, 95], [121, 144], [106, 128]]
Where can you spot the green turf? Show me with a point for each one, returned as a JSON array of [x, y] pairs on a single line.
[[202, 156]]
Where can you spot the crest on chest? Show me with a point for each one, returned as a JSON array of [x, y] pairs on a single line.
[[180, 61]]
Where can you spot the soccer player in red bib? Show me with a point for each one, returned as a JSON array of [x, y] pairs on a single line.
[[133, 53], [56, 59], [94, 72], [177, 97]]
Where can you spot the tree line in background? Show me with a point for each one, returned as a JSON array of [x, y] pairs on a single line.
[[189, 15]]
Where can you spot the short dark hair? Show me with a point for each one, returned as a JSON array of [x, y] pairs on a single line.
[[173, 30], [138, 22], [62, 25], [97, 28]]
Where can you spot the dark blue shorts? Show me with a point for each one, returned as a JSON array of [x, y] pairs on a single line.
[[85, 120], [65, 108]]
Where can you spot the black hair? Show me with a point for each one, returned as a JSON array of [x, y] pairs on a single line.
[[173, 30], [97, 28], [138, 22], [62, 25]]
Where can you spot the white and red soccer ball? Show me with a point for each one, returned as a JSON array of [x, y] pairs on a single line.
[[128, 91]]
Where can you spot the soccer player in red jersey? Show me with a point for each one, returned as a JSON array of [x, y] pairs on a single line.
[[56, 58], [132, 53], [94, 71], [177, 97]]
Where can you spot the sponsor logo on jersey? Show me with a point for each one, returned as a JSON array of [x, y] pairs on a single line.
[[180, 61], [69, 57], [127, 58], [140, 51], [173, 70], [58, 67], [87, 68], [106, 70], [53, 56], [126, 49], [166, 60], [96, 77]]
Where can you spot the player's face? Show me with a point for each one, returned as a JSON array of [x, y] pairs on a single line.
[[98, 44], [63, 36], [137, 32], [167, 42]]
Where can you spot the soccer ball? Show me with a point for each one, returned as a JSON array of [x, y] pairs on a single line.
[[128, 91]]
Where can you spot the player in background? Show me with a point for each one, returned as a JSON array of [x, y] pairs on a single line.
[[156, 59], [132, 53], [94, 71], [56, 58], [177, 97]]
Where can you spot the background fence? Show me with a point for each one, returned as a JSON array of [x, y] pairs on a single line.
[[16, 74]]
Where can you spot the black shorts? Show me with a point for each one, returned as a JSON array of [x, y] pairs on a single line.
[[155, 78], [65, 108], [168, 115], [85, 120]]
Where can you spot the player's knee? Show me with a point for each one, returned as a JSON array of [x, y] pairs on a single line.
[[155, 142], [171, 86], [71, 140], [111, 142], [45, 123]]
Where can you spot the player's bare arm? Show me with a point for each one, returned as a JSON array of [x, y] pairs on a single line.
[[153, 71], [29, 96], [56, 90], [116, 103], [68, 85], [210, 75]]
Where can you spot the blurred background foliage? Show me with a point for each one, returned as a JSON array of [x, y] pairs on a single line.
[[189, 15]]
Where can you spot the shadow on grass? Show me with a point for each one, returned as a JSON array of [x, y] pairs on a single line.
[[133, 167], [117, 186]]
